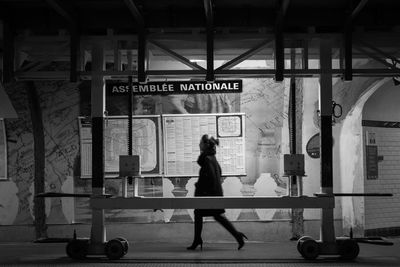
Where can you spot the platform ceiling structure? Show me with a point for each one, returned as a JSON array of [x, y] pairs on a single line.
[[37, 33]]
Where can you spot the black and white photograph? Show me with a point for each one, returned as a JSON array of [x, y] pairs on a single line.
[[172, 133]]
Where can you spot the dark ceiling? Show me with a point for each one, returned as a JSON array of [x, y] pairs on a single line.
[[95, 16]]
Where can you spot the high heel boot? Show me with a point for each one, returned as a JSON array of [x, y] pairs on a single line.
[[240, 240], [195, 244], [198, 226]]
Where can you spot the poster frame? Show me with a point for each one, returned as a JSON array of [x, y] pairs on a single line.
[[112, 174], [216, 115]]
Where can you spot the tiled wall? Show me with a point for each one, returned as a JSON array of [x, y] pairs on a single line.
[[384, 212]]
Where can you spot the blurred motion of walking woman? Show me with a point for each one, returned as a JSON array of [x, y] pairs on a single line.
[[209, 184]]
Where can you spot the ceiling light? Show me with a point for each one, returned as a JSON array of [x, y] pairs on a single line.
[[197, 60]]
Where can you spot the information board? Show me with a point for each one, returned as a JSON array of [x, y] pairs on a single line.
[[146, 139], [182, 133], [372, 162]]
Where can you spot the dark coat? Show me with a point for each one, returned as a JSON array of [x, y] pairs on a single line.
[[209, 182]]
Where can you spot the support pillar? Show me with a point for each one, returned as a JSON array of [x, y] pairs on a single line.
[[98, 231], [325, 101]]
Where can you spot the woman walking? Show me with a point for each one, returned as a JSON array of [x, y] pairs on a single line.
[[209, 184]]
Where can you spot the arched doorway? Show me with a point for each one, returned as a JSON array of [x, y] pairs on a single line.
[[364, 143], [381, 143]]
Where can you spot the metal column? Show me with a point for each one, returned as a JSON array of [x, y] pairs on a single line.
[[130, 131], [98, 232], [325, 100], [208, 5]]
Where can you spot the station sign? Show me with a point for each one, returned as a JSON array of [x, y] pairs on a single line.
[[174, 87]]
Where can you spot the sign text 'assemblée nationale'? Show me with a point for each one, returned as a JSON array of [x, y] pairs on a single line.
[[175, 87]]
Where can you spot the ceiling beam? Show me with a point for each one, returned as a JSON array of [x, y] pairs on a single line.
[[142, 43], [63, 10], [348, 40], [374, 57], [239, 73], [358, 9], [66, 12], [237, 60], [176, 56], [208, 7], [285, 5], [394, 59], [281, 8], [137, 16]]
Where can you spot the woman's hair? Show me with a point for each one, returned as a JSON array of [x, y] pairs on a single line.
[[211, 142]]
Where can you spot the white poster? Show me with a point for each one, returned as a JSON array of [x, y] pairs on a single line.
[[182, 135]]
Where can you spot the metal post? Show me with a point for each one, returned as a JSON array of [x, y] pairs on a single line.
[[142, 56], [348, 53], [74, 53], [292, 121], [295, 147], [281, 7], [325, 100], [98, 231], [279, 53], [209, 10], [130, 115]]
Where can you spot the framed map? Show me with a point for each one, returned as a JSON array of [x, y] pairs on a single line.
[[3, 151], [145, 139]]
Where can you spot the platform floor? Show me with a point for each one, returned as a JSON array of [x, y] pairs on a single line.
[[213, 254]]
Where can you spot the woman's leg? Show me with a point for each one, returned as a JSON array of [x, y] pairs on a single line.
[[198, 226], [227, 225], [231, 229]]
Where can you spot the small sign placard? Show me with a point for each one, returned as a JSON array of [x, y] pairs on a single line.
[[372, 162], [293, 164], [129, 165]]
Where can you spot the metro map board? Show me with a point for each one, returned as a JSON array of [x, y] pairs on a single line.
[[146, 139], [174, 87]]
